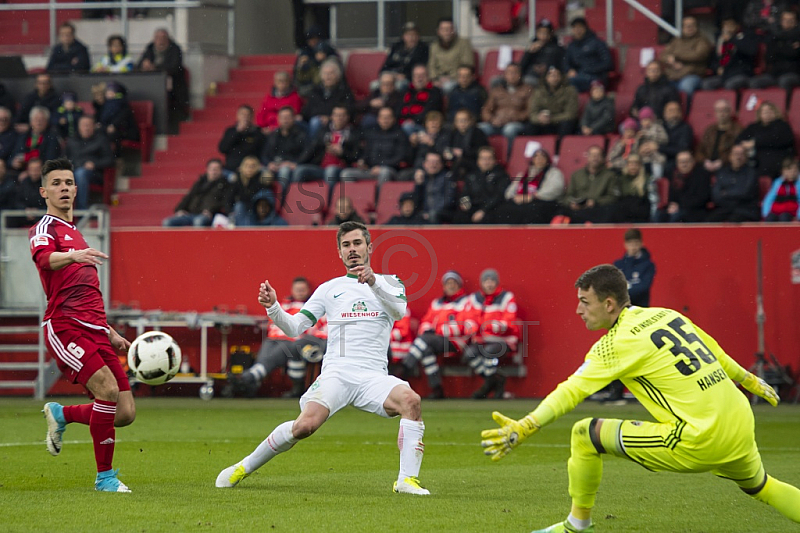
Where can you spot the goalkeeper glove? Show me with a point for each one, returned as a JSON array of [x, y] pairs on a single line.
[[498, 442], [760, 388]]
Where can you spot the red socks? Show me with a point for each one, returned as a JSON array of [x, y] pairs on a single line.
[[101, 426], [80, 414]]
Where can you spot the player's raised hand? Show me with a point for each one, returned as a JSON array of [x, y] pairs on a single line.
[[364, 273], [88, 255], [267, 295], [760, 388], [497, 443]]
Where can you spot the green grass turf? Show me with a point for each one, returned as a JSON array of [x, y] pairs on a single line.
[[340, 479]]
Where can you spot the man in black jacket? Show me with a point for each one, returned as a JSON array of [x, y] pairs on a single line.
[[331, 91], [164, 54], [735, 191], [335, 147], [734, 58], [405, 54], [242, 139], [587, 58], [679, 133], [655, 92], [40, 141], [43, 95], [211, 194], [69, 55], [90, 153], [8, 136], [783, 55], [689, 191], [483, 191], [283, 147], [408, 212], [384, 151], [543, 52]]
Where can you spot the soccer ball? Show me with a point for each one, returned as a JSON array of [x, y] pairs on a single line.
[[154, 357]]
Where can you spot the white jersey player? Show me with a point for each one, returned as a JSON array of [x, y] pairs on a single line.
[[361, 308]]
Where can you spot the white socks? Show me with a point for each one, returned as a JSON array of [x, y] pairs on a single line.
[[280, 440], [409, 441], [578, 523]]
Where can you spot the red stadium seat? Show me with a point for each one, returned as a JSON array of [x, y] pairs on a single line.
[[751, 99], [630, 26], [490, 67], [362, 68], [497, 16], [552, 10], [764, 185], [702, 113], [500, 145], [143, 113], [622, 106], [305, 203], [572, 153], [518, 163], [107, 187], [388, 197], [361, 192]]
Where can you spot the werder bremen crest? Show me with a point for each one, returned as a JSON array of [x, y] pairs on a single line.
[[360, 307]]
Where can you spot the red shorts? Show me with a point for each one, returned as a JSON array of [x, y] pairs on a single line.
[[81, 351]]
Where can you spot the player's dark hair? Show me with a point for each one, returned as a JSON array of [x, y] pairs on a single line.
[[633, 234], [607, 281], [347, 227], [56, 164]]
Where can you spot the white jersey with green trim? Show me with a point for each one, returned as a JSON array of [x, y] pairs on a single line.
[[360, 320]]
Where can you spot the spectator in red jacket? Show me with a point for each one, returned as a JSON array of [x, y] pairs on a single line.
[[440, 332], [282, 94], [493, 311]]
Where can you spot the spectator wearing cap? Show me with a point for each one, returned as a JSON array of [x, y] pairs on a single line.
[[309, 61], [627, 144], [282, 94], [421, 97], [65, 119], [69, 55], [685, 58], [483, 190], [554, 106], [441, 332], [241, 140], [734, 58], [533, 197], [506, 109], [655, 92], [405, 54], [447, 53], [467, 94], [587, 58], [90, 153], [598, 114], [542, 53], [491, 313], [408, 215]]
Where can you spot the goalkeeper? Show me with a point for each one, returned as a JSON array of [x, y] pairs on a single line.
[[681, 376]]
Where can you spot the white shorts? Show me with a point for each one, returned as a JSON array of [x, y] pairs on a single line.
[[364, 390]]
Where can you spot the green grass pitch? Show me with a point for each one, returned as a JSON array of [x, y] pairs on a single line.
[[340, 479]]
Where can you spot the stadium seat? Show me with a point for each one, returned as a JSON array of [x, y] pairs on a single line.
[[764, 185], [662, 188], [630, 26], [622, 106], [387, 199], [361, 192], [497, 16], [143, 113], [572, 154], [500, 145], [552, 10], [305, 203], [491, 69], [107, 187], [702, 113], [362, 68], [518, 162], [751, 99]]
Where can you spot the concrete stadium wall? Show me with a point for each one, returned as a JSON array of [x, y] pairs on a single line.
[[708, 273]]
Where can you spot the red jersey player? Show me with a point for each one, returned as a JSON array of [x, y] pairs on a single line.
[[76, 330]]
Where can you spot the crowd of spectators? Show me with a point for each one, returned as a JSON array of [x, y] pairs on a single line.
[[47, 124]]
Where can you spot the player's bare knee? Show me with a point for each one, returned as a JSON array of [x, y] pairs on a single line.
[[410, 404], [124, 418], [103, 385], [304, 427]]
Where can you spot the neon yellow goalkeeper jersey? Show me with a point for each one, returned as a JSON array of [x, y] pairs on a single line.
[[678, 372]]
